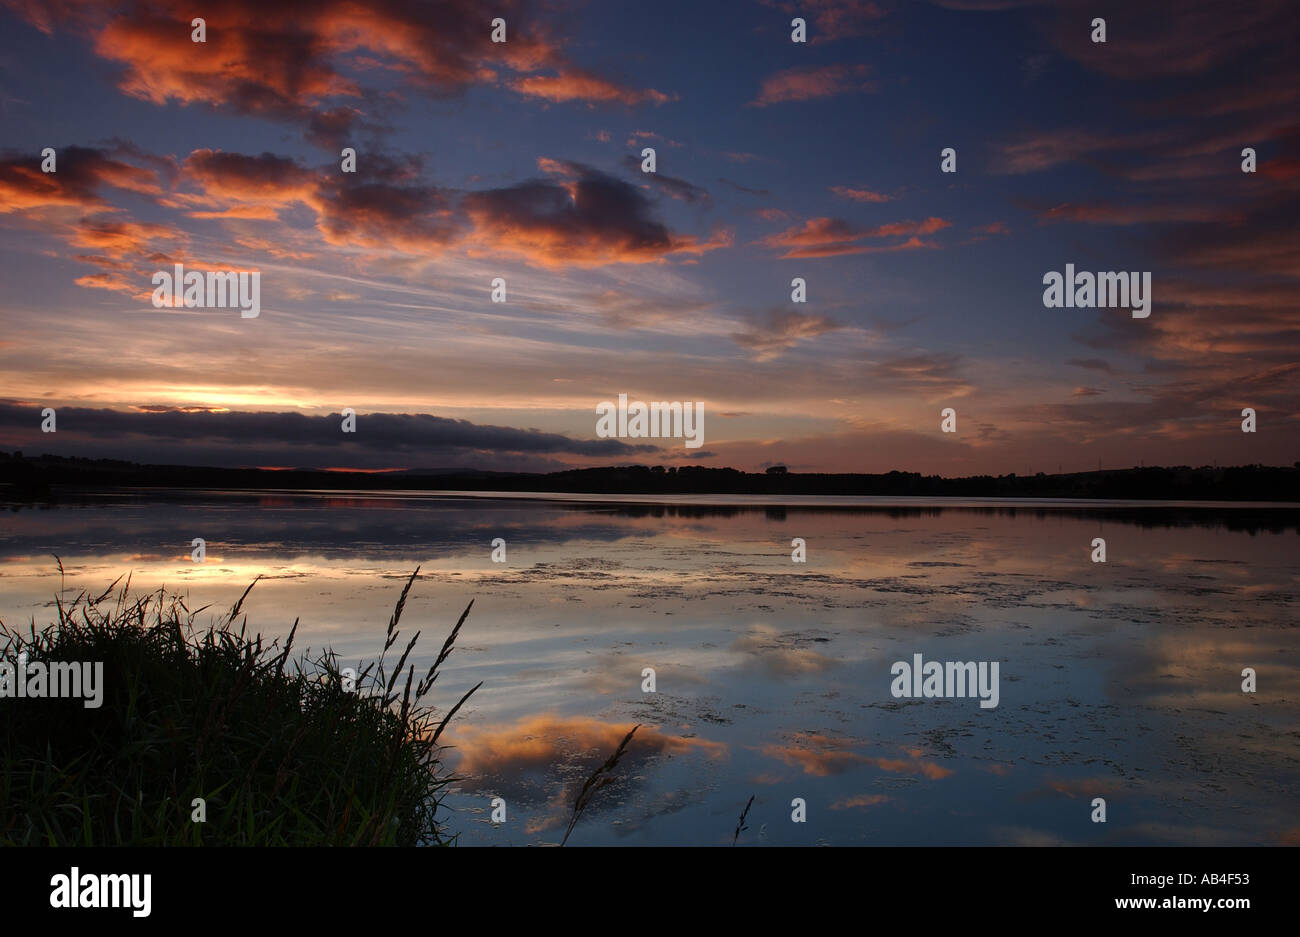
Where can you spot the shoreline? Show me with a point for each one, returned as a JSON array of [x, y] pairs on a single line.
[[701, 499]]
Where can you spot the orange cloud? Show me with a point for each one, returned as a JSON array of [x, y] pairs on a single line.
[[929, 769], [819, 764], [860, 800], [294, 63], [821, 756], [543, 759], [581, 218], [1084, 787], [546, 740], [806, 82], [81, 173], [121, 238], [860, 195], [829, 237], [267, 181], [577, 85]]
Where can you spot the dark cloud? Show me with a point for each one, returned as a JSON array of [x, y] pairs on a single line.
[[214, 437], [415, 218], [835, 19], [82, 174], [581, 217], [676, 188], [765, 193], [1092, 364]]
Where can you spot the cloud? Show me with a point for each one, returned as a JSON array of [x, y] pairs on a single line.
[[1078, 787], [676, 188], [781, 655], [413, 440], [577, 217], [983, 232], [1165, 38], [288, 63], [860, 195], [764, 193], [1041, 150], [126, 249], [540, 742], [780, 330], [266, 179], [830, 237], [620, 310], [817, 755], [1092, 364], [935, 372], [1118, 213], [418, 219], [82, 173], [835, 19], [860, 800], [542, 760], [583, 218], [119, 237], [1267, 243], [578, 85], [71, 204], [807, 82], [386, 207], [822, 756]]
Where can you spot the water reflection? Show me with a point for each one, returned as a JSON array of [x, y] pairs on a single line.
[[1119, 680]]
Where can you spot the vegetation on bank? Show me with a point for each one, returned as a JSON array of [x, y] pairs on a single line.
[[42, 477], [280, 750]]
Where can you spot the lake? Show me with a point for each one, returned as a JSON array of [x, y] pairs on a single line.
[[773, 679]]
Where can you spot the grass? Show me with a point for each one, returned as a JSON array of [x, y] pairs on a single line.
[[278, 748], [740, 825], [600, 778]]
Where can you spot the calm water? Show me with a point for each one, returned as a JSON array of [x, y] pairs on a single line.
[[1119, 680]]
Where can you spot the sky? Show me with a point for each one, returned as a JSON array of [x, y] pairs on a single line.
[[775, 160]]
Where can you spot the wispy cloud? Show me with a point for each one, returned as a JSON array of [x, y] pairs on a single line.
[[832, 237], [807, 82]]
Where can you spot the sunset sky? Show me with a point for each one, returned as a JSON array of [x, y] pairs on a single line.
[[776, 160]]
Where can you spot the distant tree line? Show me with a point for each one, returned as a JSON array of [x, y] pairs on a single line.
[[43, 475]]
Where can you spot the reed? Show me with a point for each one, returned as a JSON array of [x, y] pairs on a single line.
[[740, 825], [281, 751], [600, 778]]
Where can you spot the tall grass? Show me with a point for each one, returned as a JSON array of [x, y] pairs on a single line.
[[740, 824], [600, 778], [278, 748]]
